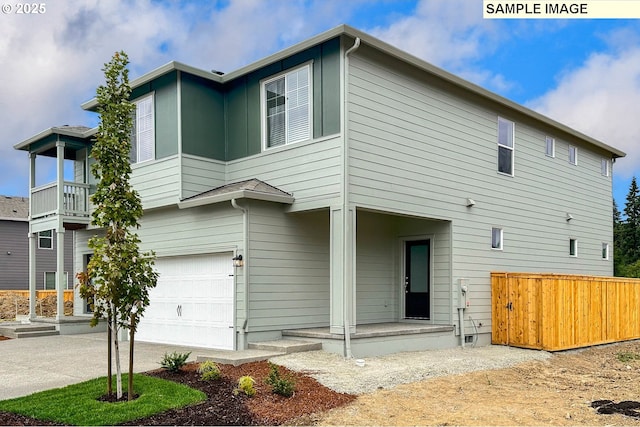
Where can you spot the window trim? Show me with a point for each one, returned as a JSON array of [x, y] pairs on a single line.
[[605, 167], [575, 160], [549, 139], [263, 105], [573, 247], [512, 147], [137, 101], [44, 283], [41, 237], [500, 245]]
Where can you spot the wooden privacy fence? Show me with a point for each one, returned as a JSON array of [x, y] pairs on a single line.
[[68, 294], [559, 312]]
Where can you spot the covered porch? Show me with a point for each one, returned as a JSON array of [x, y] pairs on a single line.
[[58, 206]]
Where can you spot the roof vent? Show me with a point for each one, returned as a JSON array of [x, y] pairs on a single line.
[[220, 73]]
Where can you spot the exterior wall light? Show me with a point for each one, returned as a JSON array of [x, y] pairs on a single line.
[[569, 217], [237, 261]]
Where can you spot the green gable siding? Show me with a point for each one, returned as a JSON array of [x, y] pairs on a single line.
[[203, 130], [243, 99], [166, 112]]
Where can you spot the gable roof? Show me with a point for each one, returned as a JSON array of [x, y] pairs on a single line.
[[77, 135], [14, 208], [249, 189], [345, 30]]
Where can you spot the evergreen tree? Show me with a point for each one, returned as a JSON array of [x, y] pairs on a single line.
[[630, 228], [617, 241]]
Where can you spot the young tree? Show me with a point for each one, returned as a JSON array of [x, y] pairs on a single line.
[[118, 276]]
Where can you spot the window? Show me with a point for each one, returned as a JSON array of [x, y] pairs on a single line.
[[496, 238], [604, 167], [287, 108], [143, 138], [550, 149], [50, 280], [573, 155], [573, 247], [45, 240], [505, 146], [605, 250]]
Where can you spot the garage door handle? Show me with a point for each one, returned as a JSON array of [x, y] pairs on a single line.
[[179, 310]]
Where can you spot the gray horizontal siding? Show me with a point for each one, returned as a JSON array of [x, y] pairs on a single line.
[[289, 268], [200, 174], [157, 182], [310, 171], [418, 147]]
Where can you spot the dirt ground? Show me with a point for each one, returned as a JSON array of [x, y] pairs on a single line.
[[12, 304], [558, 391]]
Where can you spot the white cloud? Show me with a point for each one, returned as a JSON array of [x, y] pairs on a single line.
[[601, 99]]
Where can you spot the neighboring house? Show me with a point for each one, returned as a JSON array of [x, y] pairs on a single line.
[[14, 249], [352, 184]]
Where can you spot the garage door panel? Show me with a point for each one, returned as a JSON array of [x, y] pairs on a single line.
[[192, 303]]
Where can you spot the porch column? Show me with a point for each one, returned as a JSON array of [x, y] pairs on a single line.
[[342, 266], [33, 244], [60, 232]]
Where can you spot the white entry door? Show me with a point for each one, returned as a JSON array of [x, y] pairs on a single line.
[[192, 305]]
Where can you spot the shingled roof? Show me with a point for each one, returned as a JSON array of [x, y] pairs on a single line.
[[14, 208], [250, 189]]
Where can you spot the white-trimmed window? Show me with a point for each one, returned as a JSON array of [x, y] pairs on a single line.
[[605, 168], [45, 240], [573, 247], [143, 140], [605, 250], [505, 146], [496, 238], [286, 101], [550, 146], [50, 280], [573, 155]]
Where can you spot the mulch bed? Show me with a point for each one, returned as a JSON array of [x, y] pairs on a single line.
[[224, 407]]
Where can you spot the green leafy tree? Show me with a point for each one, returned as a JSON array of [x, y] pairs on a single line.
[[118, 276]]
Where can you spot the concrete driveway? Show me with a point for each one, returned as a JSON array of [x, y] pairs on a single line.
[[28, 365]]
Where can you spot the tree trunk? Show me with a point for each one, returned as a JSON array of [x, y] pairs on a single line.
[[132, 328], [117, 351], [109, 356]]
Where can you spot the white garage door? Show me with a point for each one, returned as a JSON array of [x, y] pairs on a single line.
[[192, 305]]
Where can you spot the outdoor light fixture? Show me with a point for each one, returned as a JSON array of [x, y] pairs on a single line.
[[237, 261], [470, 203], [569, 217]]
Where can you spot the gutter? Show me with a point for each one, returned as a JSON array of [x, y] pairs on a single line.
[[245, 243]]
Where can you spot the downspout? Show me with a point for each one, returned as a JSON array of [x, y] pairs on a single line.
[[346, 303], [245, 243]]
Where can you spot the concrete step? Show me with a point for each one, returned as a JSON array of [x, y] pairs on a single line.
[[28, 331], [286, 346]]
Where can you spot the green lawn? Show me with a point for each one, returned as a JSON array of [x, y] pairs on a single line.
[[77, 404]]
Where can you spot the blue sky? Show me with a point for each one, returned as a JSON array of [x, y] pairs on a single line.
[[584, 73]]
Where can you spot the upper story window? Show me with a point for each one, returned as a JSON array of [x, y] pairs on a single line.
[[505, 146], [550, 146], [45, 240], [496, 238], [143, 138], [287, 107], [605, 168], [573, 155], [573, 247]]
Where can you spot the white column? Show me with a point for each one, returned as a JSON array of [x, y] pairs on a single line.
[[342, 266], [60, 283], [33, 244]]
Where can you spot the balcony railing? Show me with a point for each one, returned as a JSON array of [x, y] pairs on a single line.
[[44, 200]]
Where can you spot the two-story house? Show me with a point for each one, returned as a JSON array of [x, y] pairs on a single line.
[[340, 190], [14, 250]]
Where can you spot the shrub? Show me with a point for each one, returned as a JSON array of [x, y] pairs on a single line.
[[208, 371], [245, 385], [174, 361], [626, 357], [284, 386]]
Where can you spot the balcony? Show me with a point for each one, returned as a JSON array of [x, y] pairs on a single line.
[[75, 202]]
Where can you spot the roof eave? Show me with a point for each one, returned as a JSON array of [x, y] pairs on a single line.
[[24, 145], [239, 194]]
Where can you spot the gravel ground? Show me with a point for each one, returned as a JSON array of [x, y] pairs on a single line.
[[345, 376]]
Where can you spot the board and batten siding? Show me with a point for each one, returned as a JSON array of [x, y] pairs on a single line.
[[288, 268], [157, 182], [200, 174], [310, 171], [420, 147]]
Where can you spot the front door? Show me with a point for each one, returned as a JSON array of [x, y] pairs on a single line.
[[417, 273]]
